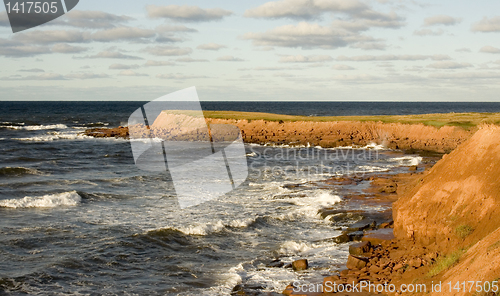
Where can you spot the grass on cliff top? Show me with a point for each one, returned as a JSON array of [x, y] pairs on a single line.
[[464, 120]]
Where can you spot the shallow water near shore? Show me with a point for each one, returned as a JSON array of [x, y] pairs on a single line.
[[77, 216]]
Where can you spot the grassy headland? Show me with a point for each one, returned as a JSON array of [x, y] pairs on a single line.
[[464, 120]]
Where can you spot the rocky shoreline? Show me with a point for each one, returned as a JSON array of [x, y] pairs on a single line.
[[333, 134]]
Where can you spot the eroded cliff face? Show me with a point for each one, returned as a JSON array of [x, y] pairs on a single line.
[[345, 133], [455, 208]]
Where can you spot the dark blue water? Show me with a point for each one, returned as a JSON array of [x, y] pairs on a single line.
[[116, 113]]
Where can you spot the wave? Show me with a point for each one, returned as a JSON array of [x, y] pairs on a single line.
[[203, 229], [292, 248], [18, 171], [408, 160], [36, 127], [310, 205], [70, 198], [54, 137]]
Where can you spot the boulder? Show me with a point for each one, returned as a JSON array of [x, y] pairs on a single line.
[[356, 262], [300, 264], [360, 248]]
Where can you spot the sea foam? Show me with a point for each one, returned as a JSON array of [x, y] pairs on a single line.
[[70, 198]]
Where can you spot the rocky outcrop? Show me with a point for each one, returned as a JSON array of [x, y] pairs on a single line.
[[334, 134]]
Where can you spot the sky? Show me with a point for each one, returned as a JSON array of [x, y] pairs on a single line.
[[286, 50]]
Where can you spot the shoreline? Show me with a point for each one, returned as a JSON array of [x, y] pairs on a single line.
[[428, 132]]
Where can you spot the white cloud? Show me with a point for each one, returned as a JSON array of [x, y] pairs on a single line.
[[122, 67], [179, 76], [44, 76], [4, 19], [52, 36], [85, 75], [449, 65], [466, 75], [131, 73], [310, 9], [112, 55], [441, 20], [305, 59], [489, 49], [429, 32], [55, 76], [211, 46], [463, 49], [33, 70], [151, 63], [229, 58], [122, 33], [168, 50], [187, 13], [391, 57], [342, 67], [91, 19], [66, 48], [176, 28], [487, 25], [190, 60], [307, 35]]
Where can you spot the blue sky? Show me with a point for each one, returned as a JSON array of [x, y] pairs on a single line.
[[303, 50]]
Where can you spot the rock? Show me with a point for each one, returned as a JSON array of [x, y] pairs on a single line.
[[275, 263], [360, 248], [356, 262], [397, 266], [413, 168], [416, 262], [288, 290], [300, 264], [376, 237], [362, 225]]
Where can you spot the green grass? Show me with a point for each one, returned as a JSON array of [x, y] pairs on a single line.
[[444, 263], [463, 120], [463, 231]]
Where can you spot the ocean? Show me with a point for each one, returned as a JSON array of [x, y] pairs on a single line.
[[78, 218]]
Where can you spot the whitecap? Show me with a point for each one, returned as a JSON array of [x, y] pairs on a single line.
[[70, 198]]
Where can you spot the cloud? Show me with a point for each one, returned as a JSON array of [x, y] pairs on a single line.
[[131, 73], [122, 33], [55, 76], [487, 25], [429, 32], [85, 76], [342, 67], [449, 65], [311, 9], [445, 20], [489, 49], [52, 36], [122, 67], [10, 48], [187, 13], [151, 63], [112, 55], [44, 76], [66, 48], [305, 59], [391, 57], [307, 35], [211, 46], [463, 49], [91, 19], [178, 76], [229, 58], [168, 50], [190, 60], [4, 19], [34, 70], [466, 75], [176, 28]]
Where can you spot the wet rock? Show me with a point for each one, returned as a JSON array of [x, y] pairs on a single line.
[[356, 262], [275, 264], [360, 248], [363, 225], [413, 168], [300, 264]]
